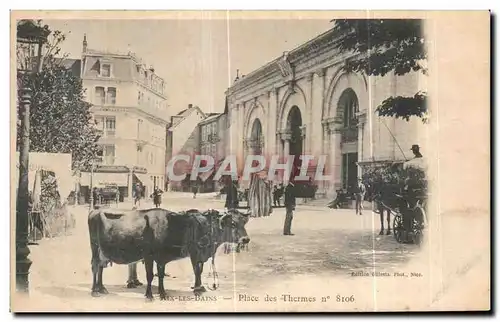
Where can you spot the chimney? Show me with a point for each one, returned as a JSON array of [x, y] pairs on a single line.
[[84, 49], [237, 75], [190, 106], [151, 68]]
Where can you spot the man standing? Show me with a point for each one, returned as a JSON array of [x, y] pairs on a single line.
[[360, 196], [275, 195], [231, 195], [290, 207], [414, 188], [138, 194]]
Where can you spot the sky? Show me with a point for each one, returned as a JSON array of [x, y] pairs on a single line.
[[198, 58]]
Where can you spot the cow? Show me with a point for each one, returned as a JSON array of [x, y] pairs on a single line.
[[161, 236]]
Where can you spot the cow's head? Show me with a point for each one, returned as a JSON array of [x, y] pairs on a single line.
[[232, 226]]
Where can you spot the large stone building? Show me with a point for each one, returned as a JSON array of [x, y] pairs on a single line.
[[305, 103], [130, 108]]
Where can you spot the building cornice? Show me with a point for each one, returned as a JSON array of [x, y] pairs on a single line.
[[150, 89], [312, 48], [116, 108]]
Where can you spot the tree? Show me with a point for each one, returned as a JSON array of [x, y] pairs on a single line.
[[60, 119], [381, 46]]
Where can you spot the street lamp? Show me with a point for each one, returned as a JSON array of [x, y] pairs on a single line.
[[30, 37]]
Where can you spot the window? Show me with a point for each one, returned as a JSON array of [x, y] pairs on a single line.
[[110, 123], [106, 70], [139, 98], [99, 96], [149, 102], [214, 150], [111, 96], [205, 134], [108, 154], [99, 120]]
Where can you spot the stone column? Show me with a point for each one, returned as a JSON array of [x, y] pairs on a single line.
[[303, 137], [323, 185], [361, 138], [336, 149], [317, 103], [286, 137], [240, 156]]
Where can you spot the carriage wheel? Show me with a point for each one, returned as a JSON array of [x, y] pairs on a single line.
[[418, 226], [397, 227]]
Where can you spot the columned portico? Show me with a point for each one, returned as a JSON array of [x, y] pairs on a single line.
[[307, 103]]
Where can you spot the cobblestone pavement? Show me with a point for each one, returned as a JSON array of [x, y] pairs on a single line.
[[333, 255]]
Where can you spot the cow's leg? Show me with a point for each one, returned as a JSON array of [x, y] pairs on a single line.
[[95, 270], [388, 222], [148, 262], [133, 281], [161, 274], [198, 270], [101, 288]]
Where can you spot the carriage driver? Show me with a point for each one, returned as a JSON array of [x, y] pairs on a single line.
[[412, 188]]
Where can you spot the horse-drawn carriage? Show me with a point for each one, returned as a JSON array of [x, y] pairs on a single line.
[[108, 194], [401, 191]]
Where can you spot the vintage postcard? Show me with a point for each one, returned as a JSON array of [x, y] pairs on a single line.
[[238, 161]]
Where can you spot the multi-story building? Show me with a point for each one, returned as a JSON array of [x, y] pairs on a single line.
[[304, 102], [183, 139], [130, 108], [213, 135]]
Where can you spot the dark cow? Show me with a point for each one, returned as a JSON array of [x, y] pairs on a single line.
[[161, 236]]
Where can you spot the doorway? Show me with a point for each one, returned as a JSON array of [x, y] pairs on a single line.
[[349, 171]]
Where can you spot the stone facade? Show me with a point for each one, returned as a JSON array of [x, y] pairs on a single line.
[[305, 103], [130, 108]]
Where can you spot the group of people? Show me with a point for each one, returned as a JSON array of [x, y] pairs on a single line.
[[232, 201], [138, 194]]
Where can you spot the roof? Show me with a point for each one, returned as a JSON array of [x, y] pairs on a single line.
[[211, 118], [181, 116], [71, 64]]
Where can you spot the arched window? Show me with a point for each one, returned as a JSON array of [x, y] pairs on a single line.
[[347, 108]]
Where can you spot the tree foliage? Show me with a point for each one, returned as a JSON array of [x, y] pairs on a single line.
[[60, 118], [381, 46]]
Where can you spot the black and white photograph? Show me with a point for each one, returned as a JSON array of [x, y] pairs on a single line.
[[250, 161]]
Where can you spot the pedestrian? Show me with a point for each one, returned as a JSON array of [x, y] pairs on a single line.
[[231, 195], [359, 191], [138, 194], [290, 207], [157, 197], [276, 196], [195, 189]]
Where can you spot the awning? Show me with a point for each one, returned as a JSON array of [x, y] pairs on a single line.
[[104, 179], [143, 178]]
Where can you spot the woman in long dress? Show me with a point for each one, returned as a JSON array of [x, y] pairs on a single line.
[[260, 196]]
